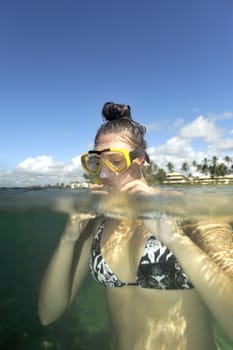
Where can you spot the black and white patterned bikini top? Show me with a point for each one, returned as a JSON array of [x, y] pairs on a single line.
[[158, 267]]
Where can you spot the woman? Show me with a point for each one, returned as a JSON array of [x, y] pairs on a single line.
[[154, 301]]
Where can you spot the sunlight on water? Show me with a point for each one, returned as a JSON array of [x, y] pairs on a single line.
[[195, 202], [31, 223]]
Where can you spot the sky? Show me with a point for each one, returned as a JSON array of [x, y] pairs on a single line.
[[60, 61]]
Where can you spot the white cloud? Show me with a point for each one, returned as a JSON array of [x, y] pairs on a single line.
[[221, 116], [226, 145], [202, 128], [174, 146], [41, 164], [75, 163], [42, 170], [182, 147], [177, 151]]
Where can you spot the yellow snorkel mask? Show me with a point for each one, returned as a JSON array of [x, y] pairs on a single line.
[[116, 159]]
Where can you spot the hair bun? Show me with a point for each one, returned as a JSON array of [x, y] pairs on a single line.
[[112, 111]]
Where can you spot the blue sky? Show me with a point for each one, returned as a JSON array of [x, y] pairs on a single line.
[[170, 60]]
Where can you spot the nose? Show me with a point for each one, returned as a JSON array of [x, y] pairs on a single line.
[[105, 172]]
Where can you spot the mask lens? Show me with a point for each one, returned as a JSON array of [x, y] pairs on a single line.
[[116, 160], [92, 162]]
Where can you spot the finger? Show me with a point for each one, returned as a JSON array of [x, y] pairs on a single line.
[[81, 216], [130, 186], [95, 187]]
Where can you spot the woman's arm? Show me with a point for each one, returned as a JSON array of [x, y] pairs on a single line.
[[213, 284], [71, 253]]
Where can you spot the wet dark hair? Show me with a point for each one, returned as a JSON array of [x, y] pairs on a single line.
[[118, 119]]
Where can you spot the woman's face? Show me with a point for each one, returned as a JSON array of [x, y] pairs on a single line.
[[113, 181]]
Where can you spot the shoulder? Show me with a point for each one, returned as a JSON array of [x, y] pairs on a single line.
[[213, 234], [216, 239]]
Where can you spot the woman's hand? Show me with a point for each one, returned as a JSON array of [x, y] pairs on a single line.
[[165, 228], [97, 189], [139, 187], [75, 225]]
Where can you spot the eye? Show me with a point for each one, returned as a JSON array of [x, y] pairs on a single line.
[[93, 161], [117, 160]]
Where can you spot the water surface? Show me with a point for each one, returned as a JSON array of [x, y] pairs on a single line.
[[31, 223]]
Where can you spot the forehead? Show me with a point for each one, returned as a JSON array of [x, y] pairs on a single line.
[[114, 140]]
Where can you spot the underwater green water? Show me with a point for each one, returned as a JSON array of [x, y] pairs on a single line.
[[27, 242], [28, 239]]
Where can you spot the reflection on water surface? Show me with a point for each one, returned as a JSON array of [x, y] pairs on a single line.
[[195, 202]]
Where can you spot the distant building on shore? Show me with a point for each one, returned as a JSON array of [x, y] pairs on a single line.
[[210, 180], [79, 185], [176, 178]]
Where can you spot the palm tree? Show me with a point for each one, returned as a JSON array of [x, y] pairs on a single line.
[[185, 167], [221, 169], [213, 167], [161, 176], [151, 169], [170, 167], [204, 168], [153, 174], [228, 160]]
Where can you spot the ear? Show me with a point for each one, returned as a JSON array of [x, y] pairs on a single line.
[[139, 160]]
